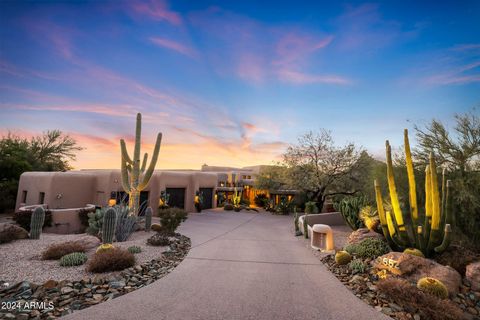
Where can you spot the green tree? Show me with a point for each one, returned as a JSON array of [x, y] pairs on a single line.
[[321, 169], [50, 151], [272, 178]]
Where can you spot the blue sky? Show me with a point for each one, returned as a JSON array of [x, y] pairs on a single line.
[[234, 82]]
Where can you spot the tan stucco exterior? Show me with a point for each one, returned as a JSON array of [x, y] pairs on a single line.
[[75, 189]]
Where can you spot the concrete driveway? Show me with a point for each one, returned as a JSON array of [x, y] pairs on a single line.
[[241, 266]]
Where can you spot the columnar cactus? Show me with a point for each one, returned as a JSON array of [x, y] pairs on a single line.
[[108, 226], [132, 171], [36, 223], [148, 219], [434, 232], [305, 225]]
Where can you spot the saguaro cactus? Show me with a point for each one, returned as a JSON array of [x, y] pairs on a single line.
[[36, 223], [148, 219], [434, 232], [135, 178], [109, 225]]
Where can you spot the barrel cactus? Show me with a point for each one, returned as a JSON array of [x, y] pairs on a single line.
[[414, 251], [36, 223], [108, 227], [104, 247], [134, 249], [342, 257], [148, 219], [433, 286], [73, 259]]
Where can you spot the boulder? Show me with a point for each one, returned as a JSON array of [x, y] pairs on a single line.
[[361, 234], [89, 241], [412, 268], [472, 274], [9, 231]]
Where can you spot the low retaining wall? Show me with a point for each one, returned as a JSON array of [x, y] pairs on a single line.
[[330, 219], [64, 221]]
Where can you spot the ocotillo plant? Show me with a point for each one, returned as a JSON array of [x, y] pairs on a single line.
[[132, 172], [36, 223], [108, 226], [430, 234], [148, 219]]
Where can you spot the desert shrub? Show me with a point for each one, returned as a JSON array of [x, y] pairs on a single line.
[[23, 218], [134, 249], [357, 266], [368, 248], [73, 259], [158, 239], [58, 250], [171, 218], [111, 260], [245, 202], [7, 236], [261, 200], [350, 208], [83, 216], [228, 207], [284, 206], [427, 305], [311, 207]]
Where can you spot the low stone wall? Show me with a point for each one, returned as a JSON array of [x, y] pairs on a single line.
[[64, 221]]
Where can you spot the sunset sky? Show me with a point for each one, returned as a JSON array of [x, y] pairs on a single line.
[[233, 82]]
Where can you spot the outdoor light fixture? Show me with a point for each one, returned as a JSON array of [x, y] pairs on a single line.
[[112, 202]]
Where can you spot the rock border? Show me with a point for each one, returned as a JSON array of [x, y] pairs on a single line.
[[363, 286], [26, 300]]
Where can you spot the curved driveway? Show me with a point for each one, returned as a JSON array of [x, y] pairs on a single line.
[[241, 266]]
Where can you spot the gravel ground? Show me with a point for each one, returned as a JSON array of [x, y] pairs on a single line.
[[20, 260]]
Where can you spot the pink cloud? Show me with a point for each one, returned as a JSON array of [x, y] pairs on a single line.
[[157, 10], [303, 78], [173, 45], [294, 46]]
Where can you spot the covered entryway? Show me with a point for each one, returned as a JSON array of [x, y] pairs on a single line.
[[207, 197], [177, 197]]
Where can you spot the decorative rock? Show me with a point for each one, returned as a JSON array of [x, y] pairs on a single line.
[[66, 290], [412, 268], [472, 274], [361, 234], [89, 241], [49, 284]]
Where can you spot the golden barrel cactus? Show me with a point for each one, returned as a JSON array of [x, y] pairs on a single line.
[[105, 247], [342, 257], [414, 251], [433, 286]]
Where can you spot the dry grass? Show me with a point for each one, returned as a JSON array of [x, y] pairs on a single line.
[[58, 250], [111, 260], [429, 306]]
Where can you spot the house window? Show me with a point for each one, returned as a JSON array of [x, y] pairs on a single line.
[[24, 196], [41, 198]]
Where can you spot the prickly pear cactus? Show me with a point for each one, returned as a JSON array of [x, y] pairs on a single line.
[[108, 227], [36, 223], [148, 219]]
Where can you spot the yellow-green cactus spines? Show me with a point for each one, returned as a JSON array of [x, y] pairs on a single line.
[[433, 286], [342, 257]]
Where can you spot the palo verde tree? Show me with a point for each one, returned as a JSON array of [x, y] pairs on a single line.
[[320, 168]]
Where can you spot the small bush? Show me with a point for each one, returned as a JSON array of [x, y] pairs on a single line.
[[111, 260], [261, 200], [134, 249], [23, 218], [73, 259], [311, 207], [427, 305], [83, 216], [171, 218], [357, 266], [158, 239], [9, 234], [228, 207], [58, 250], [368, 248]]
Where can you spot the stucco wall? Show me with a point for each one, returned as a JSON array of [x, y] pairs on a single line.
[[77, 188]]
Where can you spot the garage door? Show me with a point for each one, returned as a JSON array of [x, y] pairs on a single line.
[[177, 197], [207, 197]]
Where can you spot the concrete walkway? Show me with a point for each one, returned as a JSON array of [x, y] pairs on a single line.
[[241, 266]]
